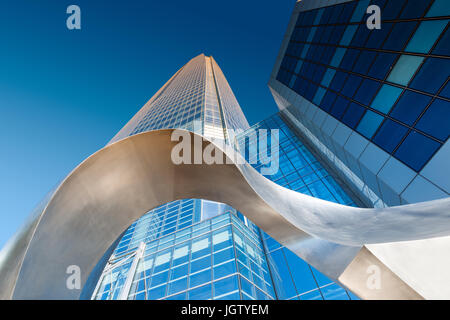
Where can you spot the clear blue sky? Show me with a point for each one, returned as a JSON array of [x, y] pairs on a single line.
[[64, 94]]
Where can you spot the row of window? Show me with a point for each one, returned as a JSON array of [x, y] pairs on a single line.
[[158, 222], [399, 101], [205, 259], [300, 171], [355, 11], [180, 103]]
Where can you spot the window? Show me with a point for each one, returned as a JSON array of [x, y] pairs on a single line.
[[304, 51], [351, 85], [436, 120], [337, 34], [201, 293], [298, 66], [410, 106], [386, 98], [292, 81], [319, 95], [390, 135], [156, 293], [271, 244], [442, 47], [181, 296], [177, 285], [377, 36], [200, 278], [339, 54], [247, 287], [353, 115], [334, 292], [349, 59], [223, 256], [364, 61], [299, 85], [446, 91], [360, 10], [369, 124], [347, 12], [200, 247], [432, 75], [224, 269], [320, 278], [439, 8], [416, 150], [327, 54], [337, 191], [318, 34], [162, 261], [328, 101], [284, 286], [400, 35], [301, 273], [382, 65], [225, 286], [222, 239], [426, 35], [335, 13], [329, 74], [179, 272], [312, 32], [348, 35], [338, 80], [319, 190], [318, 16], [140, 296], [313, 295], [414, 9], [313, 52], [339, 107], [366, 91], [404, 69], [360, 37], [326, 14]]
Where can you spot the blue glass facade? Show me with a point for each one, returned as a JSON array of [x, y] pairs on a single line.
[[217, 258], [299, 170], [197, 98], [391, 84], [199, 249]]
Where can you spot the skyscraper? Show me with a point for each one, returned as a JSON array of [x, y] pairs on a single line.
[[199, 249], [374, 105]]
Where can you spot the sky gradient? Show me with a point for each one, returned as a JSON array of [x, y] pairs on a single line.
[[64, 94]]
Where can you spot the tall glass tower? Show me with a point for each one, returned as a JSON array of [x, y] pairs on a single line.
[[199, 249]]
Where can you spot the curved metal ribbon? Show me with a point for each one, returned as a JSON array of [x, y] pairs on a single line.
[[116, 185]]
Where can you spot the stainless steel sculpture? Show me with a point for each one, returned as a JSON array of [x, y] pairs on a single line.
[[116, 185]]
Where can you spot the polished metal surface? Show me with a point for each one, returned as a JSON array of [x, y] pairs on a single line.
[[390, 285], [122, 181]]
